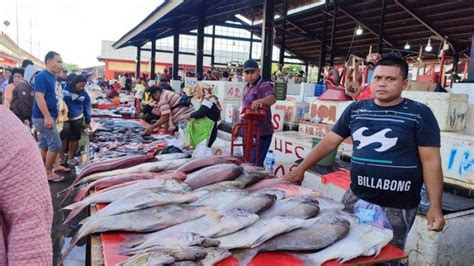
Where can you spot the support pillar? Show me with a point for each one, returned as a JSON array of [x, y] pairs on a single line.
[[153, 60], [306, 72], [267, 40], [200, 46], [139, 61], [213, 59], [333, 34], [251, 44], [175, 53], [322, 54], [382, 22], [281, 59], [470, 75]]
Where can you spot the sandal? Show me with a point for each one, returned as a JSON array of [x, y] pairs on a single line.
[[62, 169], [55, 178]]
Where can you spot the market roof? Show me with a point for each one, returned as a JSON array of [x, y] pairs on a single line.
[[405, 21]]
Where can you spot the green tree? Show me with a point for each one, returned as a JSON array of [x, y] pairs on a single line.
[[71, 68]]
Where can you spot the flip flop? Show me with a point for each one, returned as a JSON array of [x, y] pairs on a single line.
[[55, 178], [62, 169]]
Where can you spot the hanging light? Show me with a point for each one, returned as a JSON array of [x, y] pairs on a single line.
[[359, 30], [428, 46], [407, 46]]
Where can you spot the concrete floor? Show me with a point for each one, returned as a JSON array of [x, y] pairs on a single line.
[[62, 234]]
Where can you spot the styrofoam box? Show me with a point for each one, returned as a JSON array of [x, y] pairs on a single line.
[[457, 156], [294, 111], [464, 88], [320, 130], [294, 98], [449, 109], [283, 167], [470, 120], [231, 111], [278, 118], [227, 91], [328, 111], [289, 146], [293, 88]]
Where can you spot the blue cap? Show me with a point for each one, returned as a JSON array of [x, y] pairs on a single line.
[[250, 64], [86, 73]]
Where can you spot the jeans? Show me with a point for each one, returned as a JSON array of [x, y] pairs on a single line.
[[265, 142]]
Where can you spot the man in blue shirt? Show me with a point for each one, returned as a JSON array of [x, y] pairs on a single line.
[[395, 150], [45, 113]]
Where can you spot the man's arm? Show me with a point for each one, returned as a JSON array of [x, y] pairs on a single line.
[[48, 121], [328, 144], [433, 177], [164, 119], [268, 101]]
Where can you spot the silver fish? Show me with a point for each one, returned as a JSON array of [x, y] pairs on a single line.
[[299, 207], [254, 203], [362, 240], [251, 177], [224, 222], [221, 197], [213, 174], [156, 255], [259, 232], [221, 186], [316, 234], [115, 194], [215, 255]]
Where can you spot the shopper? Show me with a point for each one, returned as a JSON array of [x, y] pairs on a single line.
[[6, 79], [45, 113], [25, 223], [79, 110], [17, 74], [23, 96], [396, 149], [167, 107], [257, 94], [203, 125]]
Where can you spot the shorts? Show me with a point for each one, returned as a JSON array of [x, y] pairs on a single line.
[[72, 130], [400, 219], [49, 137]]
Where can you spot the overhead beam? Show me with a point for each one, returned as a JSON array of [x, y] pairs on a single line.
[[364, 24], [425, 23]]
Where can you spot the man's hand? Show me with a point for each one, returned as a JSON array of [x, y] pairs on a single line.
[[256, 104], [435, 219], [148, 130], [88, 126], [295, 176], [48, 122]]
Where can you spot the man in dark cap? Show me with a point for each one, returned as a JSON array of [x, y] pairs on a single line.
[[259, 93]]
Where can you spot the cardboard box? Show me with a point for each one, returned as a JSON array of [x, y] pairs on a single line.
[[464, 88], [420, 86], [328, 111], [294, 111], [449, 109], [457, 157]]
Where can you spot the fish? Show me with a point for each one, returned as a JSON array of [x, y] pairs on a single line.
[[113, 164], [171, 156], [221, 186], [203, 162], [265, 183], [176, 239], [186, 263], [213, 174], [254, 203], [115, 194], [259, 232], [141, 168], [362, 240], [211, 225], [215, 255], [220, 198], [251, 177], [298, 207], [150, 220], [170, 254], [326, 203], [141, 200], [289, 191], [120, 179], [315, 234]]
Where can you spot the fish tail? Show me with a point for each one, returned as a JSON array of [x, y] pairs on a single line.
[[132, 241], [68, 192], [78, 236], [76, 209], [307, 259], [245, 256], [81, 193]]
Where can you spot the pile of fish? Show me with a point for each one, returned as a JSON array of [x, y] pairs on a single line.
[[201, 211], [119, 137]]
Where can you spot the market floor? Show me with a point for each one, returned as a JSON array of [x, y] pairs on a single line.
[[62, 233]]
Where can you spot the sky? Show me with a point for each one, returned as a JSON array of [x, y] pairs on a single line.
[[73, 28]]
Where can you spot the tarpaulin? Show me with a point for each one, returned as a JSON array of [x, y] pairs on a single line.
[[340, 178]]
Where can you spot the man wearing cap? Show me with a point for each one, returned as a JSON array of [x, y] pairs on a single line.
[[23, 96], [259, 93]]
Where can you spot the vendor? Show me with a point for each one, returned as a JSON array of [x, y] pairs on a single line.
[[204, 123], [79, 106], [259, 93], [168, 106]]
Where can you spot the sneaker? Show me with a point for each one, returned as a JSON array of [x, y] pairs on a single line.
[[73, 162]]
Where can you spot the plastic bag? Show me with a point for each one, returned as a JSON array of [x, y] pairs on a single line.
[[369, 213], [183, 137], [202, 150]]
